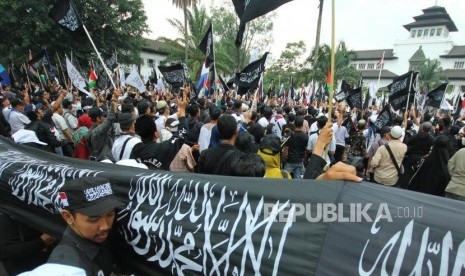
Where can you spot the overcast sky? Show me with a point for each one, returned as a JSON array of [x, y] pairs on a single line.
[[362, 24]]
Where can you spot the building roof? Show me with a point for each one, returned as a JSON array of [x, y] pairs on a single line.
[[373, 74], [455, 52], [154, 46], [433, 16], [455, 74], [419, 55], [374, 54]]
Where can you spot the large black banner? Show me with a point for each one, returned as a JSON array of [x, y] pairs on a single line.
[[214, 225], [354, 99], [206, 46]]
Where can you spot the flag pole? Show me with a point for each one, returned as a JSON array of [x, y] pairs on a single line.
[[98, 54], [333, 35], [27, 77], [254, 102], [65, 82], [380, 69], [408, 98]]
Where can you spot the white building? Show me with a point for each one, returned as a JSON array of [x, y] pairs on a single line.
[[428, 38], [152, 53]]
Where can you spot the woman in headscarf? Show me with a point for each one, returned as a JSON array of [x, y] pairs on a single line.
[[433, 175]]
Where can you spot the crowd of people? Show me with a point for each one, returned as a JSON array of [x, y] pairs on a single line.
[[234, 136]]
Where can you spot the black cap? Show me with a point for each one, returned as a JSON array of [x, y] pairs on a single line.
[[91, 196], [16, 101], [271, 142], [125, 120], [65, 103], [95, 112]]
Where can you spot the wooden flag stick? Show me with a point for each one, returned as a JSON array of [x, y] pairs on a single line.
[[27, 77], [98, 54], [333, 35]]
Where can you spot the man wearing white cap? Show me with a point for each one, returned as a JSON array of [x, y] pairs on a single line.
[[388, 159]]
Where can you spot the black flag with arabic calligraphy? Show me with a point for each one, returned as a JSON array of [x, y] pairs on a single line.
[[65, 14], [250, 75], [399, 90], [206, 46]]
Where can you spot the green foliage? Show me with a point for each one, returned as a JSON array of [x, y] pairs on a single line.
[[431, 74], [198, 22], [343, 68], [113, 24], [229, 58], [291, 62]]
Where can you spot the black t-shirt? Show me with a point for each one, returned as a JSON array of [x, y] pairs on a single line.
[[297, 145], [217, 160], [157, 156]]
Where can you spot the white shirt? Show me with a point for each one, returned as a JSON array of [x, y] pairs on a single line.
[[205, 135], [279, 123], [118, 146], [60, 125], [17, 120], [6, 111], [71, 120], [331, 148]]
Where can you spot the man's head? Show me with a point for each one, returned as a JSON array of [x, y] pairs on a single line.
[[96, 115], [126, 122], [321, 122], [89, 207], [227, 127], [215, 112], [67, 104], [162, 108], [17, 104], [396, 132], [146, 128]]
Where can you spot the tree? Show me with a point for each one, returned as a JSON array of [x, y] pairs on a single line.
[[198, 20], [291, 62], [343, 67], [431, 74], [318, 31], [115, 25], [183, 4], [231, 59]]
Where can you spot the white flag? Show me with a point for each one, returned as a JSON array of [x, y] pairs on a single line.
[[445, 105], [76, 79], [122, 77], [372, 89], [134, 80]]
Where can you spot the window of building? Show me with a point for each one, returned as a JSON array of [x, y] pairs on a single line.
[[459, 64], [414, 32], [361, 66], [420, 32], [425, 32], [150, 63], [438, 31], [431, 32], [371, 66]]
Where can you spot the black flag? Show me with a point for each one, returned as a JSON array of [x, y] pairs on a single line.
[[434, 98], [174, 75], [65, 14], [223, 84], [40, 60], [250, 75], [251, 9], [399, 90], [384, 118], [354, 99], [206, 46], [341, 95]]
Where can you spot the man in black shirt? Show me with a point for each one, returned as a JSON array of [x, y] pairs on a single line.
[[89, 210], [296, 144], [218, 160]]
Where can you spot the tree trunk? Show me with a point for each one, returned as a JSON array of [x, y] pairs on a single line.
[[318, 31], [184, 7]]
